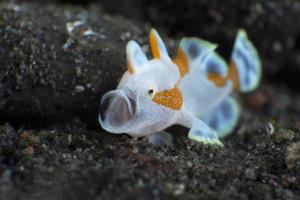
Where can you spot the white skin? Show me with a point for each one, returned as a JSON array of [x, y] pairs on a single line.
[[149, 116], [131, 109]]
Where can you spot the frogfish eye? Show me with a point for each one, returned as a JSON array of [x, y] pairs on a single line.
[[150, 91]]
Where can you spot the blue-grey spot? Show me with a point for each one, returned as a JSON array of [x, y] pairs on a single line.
[[214, 123], [245, 59], [213, 67], [193, 50], [247, 80], [227, 109]]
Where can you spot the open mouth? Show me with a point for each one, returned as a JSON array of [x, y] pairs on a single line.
[[117, 108]]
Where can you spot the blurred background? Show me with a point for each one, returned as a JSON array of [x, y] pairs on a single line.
[[272, 25]]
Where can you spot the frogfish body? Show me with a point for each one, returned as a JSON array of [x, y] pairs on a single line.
[[194, 90]]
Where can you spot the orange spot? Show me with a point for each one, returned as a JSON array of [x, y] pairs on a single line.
[[218, 80], [232, 75], [169, 98], [129, 67], [181, 61], [154, 45]]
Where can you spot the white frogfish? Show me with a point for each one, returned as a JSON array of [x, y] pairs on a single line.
[[193, 90]]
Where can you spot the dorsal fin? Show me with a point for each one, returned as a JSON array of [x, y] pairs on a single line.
[[181, 60], [191, 51], [245, 61], [215, 69], [136, 58], [215, 64], [244, 69], [158, 48]]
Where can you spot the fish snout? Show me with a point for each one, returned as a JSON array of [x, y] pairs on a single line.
[[117, 109]]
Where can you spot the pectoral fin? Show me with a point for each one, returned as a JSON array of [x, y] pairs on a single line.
[[201, 132], [204, 137]]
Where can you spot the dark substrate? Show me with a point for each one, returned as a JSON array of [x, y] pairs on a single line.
[[71, 162], [52, 148]]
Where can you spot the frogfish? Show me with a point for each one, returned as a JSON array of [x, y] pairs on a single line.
[[195, 89]]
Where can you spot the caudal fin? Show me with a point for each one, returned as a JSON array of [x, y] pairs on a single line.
[[223, 117], [245, 66]]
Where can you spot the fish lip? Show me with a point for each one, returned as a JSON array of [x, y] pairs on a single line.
[[132, 97], [125, 95]]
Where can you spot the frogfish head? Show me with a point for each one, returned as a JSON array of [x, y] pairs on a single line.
[[126, 111], [137, 106], [118, 109]]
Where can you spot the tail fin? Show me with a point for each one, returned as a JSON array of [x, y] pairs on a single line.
[[245, 66], [223, 118]]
